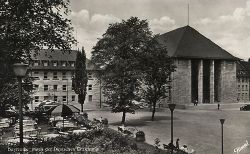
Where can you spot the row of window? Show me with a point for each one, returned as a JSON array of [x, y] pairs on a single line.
[[64, 98], [55, 76], [243, 79], [55, 87], [243, 96], [53, 63], [55, 98], [243, 88]]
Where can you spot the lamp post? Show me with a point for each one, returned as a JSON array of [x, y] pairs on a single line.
[[172, 107], [20, 71], [222, 122], [67, 92]]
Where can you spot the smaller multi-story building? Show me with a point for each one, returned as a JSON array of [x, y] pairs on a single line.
[[53, 71], [243, 81]]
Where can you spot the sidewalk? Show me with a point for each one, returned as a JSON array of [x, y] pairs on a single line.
[[223, 106]]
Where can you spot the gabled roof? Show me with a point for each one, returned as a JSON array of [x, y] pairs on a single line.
[[58, 55], [186, 42]]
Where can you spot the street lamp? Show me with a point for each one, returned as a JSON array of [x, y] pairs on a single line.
[[172, 107], [20, 71], [222, 122]]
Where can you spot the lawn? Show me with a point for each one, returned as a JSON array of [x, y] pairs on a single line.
[[198, 129]]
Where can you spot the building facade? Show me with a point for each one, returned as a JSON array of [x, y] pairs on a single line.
[[204, 71], [243, 81], [53, 71]]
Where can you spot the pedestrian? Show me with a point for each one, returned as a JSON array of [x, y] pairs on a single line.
[[196, 102], [218, 106], [177, 144]]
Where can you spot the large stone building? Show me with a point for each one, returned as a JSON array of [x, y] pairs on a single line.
[[243, 81], [205, 72], [53, 71]]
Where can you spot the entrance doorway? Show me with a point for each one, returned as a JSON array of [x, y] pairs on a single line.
[[206, 81], [194, 80]]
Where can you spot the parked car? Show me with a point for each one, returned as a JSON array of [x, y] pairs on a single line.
[[245, 108]]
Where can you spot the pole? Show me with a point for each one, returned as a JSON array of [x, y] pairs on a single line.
[[20, 112], [67, 93], [172, 107], [222, 122], [172, 132], [221, 138], [188, 13]]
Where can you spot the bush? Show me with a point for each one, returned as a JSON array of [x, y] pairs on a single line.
[[105, 121], [85, 115], [140, 136]]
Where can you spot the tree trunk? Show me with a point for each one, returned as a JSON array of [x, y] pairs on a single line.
[[153, 111], [81, 107], [123, 117]]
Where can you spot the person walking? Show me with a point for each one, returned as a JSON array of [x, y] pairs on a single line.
[[196, 102], [177, 144]]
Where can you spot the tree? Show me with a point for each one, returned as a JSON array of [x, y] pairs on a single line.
[[118, 53], [157, 68], [9, 97], [28, 25], [80, 80]]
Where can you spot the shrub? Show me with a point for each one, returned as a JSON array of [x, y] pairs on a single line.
[[140, 136], [85, 115], [105, 121]]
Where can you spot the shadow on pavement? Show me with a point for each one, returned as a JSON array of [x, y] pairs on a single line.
[[143, 121]]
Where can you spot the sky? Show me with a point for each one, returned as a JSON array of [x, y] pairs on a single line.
[[225, 22]]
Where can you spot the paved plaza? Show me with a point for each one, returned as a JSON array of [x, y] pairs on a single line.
[[198, 128]]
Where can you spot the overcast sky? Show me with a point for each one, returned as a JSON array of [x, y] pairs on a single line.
[[225, 22]]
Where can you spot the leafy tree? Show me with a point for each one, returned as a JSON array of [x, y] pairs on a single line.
[[9, 97], [28, 25], [157, 68], [80, 80], [118, 53]]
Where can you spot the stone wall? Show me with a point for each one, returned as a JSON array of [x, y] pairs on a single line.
[[181, 85], [228, 82]]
